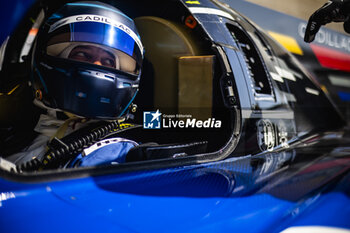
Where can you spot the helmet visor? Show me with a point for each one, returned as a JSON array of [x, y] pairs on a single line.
[[97, 43]]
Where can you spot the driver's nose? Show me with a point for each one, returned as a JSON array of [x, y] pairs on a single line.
[[98, 63]]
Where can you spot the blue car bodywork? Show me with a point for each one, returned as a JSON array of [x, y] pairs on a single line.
[[220, 197], [306, 183]]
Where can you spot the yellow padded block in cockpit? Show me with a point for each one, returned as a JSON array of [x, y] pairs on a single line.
[[164, 42]]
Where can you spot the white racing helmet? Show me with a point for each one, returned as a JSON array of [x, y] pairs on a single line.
[[87, 60]]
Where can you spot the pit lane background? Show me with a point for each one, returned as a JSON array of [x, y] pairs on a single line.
[[327, 58]]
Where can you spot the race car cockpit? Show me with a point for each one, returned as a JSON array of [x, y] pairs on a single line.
[[179, 80], [210, 85]]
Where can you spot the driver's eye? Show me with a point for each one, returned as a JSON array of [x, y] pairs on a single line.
[[108, 62], [80, 56]]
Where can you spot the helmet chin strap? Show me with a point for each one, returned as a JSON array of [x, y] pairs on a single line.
[[72, 115]]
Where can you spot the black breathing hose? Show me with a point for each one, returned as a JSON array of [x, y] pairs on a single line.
[[60, 152]]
